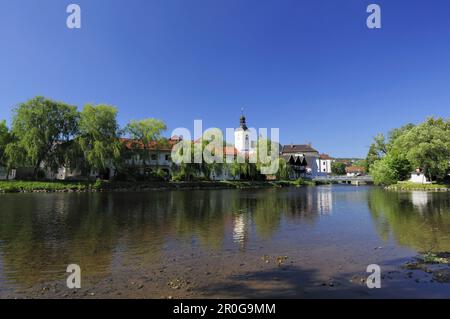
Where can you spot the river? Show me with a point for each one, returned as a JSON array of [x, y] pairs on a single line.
[[291, 242]]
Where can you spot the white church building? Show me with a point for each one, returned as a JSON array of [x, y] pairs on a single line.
[[245, 140]]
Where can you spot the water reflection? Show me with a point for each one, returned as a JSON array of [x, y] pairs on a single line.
[[420, 199], [40, 234], [417, 220], [240, 229], [325, 201]]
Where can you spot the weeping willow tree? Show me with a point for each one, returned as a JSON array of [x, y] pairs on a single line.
[[40, 127], [5, 139], [98, 137]]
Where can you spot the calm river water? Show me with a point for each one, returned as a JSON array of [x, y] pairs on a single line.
[[291, 242]]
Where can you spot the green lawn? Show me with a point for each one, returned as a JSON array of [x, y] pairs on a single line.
[[31, 186], [413, 186], [66, 186]]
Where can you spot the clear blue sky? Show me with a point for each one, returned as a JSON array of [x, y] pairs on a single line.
[[311, 68]]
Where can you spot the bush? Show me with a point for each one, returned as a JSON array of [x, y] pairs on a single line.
[[159, 175], [390, 169], [338, 168], [98, 185], [382, 172]]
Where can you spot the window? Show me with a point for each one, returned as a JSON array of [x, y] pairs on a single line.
[[167, 157], [154, 157]]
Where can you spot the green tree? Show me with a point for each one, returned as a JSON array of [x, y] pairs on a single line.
[[396, 133], [187, 170], [379, 142], [98, 137], [372, 157], [148, 134], [389, 170], [338, 168], [268, 158], [235, 169], [284, 170], [380, 147], [40, 127], [426, 146], [5, 139]]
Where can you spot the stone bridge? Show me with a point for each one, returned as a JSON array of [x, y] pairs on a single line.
[[355, 180]]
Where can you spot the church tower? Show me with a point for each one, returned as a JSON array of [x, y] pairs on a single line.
[[242, 138]]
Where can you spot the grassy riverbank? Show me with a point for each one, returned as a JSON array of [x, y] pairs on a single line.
[[37, 186], [408, 186], [98, 186]]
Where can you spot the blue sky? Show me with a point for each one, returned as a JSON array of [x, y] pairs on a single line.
[[311, 68]]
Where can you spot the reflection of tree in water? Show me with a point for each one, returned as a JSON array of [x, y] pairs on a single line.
[[42, 235], [144, 219], [266, 213], [270, 205], [419, 222], [201, 214]]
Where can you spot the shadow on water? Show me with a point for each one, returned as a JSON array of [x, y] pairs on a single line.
[[302, 283]]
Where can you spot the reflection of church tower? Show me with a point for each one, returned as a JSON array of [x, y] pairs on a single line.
[[240, 230], [242, 137]]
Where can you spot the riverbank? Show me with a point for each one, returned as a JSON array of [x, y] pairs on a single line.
[[104, 186], [257, 278], [408, 186]]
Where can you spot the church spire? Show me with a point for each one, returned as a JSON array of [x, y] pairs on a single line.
[[243, 124]]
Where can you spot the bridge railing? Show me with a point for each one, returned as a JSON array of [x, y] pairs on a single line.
[[365, 178]]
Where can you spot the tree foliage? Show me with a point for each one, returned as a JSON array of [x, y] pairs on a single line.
[[40, 127], [380, 146], [387, 170], [338, 168], [284, 170], [425, 146], [146, 131], [5, 139], [146, 134], [98, 136]]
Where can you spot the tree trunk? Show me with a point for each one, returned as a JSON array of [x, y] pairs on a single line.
[[36, 170]]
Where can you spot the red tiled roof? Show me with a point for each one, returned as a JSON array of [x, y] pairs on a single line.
[[355, 169], [153, 145], [325, 157], [133, 144], [230, 150]]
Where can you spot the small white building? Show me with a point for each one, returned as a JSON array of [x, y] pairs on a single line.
[[353, 171], [418, 177], [324, 164]]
